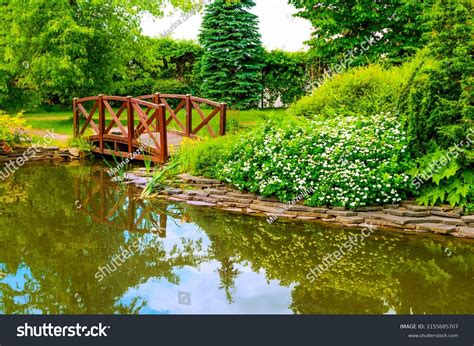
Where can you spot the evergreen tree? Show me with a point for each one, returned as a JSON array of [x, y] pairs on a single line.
[[231, 64]]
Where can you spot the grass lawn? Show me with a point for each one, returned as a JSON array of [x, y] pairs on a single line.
[[61, 121]]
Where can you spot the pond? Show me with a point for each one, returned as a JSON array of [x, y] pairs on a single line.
[[74, 242]]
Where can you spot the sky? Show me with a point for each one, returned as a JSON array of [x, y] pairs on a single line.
[[279, 29]]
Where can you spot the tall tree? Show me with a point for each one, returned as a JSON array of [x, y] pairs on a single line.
[[232, 60], [64, 48], [343, 29]]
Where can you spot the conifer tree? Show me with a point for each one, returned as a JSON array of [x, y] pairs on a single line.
[[232, 60]]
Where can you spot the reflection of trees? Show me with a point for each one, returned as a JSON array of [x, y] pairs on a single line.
[[390, 272], [60, 255]]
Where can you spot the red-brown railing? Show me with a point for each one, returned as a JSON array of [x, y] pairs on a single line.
[[150, 111], [188, 103]]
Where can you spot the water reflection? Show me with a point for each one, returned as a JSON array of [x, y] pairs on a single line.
[[59, 224]]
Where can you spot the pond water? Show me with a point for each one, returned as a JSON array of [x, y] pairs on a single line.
[[73, 242]]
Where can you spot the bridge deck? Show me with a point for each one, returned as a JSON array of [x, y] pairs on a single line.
[[174, 140]]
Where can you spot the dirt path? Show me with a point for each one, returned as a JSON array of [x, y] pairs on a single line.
[[58, 138]]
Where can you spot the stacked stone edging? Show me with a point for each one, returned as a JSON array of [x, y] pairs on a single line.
[[51, 153], [405, 216]]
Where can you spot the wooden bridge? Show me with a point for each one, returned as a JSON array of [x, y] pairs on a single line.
[[154, 122]]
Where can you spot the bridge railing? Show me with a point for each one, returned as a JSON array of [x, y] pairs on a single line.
[[103, 116], [191, 105], [106, 124]]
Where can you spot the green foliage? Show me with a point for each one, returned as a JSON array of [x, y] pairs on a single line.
[[158, 179], [436, 104], [285, 76], [171, 86], [66, 48], [437, 99], [350, 161], [12, 128], [359, 91], [232, 60], [81, 144], [160, 65], [341, 26], [204, 157]]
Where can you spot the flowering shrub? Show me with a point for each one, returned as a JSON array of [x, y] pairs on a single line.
[[349, 162], [12, 128]]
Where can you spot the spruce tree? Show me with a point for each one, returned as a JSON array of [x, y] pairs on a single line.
[[232, 60]]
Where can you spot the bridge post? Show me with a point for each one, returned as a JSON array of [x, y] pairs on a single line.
[[157, 100], [223, 119], [163, 134], [75, 117], [189, 116], [130, 123], [101, 123]]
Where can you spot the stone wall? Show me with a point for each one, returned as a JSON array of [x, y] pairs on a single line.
[[40, 154], [407, 216]]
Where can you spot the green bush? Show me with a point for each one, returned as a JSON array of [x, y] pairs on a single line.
[[203, 157], [171, 86], [360, 91], [285, 75], [436, 104], [350, 161]]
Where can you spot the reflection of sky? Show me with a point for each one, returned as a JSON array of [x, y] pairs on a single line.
[[252, 293], [17, 282]]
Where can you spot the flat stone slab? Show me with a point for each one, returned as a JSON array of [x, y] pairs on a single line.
[[446, 214], [447, 220], [317, 215], [468, 218], [183, 197], [309, 218], [372, 215], [267, 209], [467, 232], [215, 191], [297, 207], [417, 208], [436, 227], [350, 220], [342, 213], [241, 195], [200, 204], [383, 223], [197, 193], [268, 199], [169, 191], [361, 209], [407, 213]]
